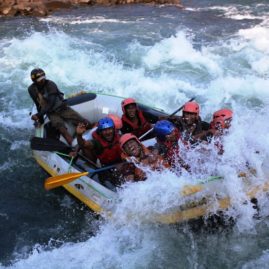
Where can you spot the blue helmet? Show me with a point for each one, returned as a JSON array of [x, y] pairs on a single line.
[[163, 128], [105, 123]]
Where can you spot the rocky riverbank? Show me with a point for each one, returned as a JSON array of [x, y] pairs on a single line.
[[45, 7]]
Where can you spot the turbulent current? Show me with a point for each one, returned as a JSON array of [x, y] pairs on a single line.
[[217, 51]]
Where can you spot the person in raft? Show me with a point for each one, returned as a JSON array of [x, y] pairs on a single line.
[[134, 153], [168, 138], [104, 145], [49, 101], [133, 119], [190, 124], [219, 127]]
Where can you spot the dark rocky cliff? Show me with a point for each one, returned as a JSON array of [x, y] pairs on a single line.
[[44, 7]]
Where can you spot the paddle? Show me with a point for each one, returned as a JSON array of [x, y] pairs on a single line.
[[171, 115], [57, 181], [60, 180], [50, 144]]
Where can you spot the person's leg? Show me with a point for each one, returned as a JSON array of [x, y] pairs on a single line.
[[68, 114], [59, 124]]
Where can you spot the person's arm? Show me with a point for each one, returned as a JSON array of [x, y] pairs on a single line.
[[35, 117], [206, 133], [202, 136], [127, 171], [33, 96], [81, 128]]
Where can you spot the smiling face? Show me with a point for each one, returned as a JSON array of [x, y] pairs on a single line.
[[131, 111], [108, 134], [132, 148]]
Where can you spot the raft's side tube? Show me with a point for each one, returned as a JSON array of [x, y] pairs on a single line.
[[94, 106]]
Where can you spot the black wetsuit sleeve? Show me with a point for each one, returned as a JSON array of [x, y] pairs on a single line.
[[52, 98], [34, 97]]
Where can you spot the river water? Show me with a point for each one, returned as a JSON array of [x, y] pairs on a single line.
[[217, 51]]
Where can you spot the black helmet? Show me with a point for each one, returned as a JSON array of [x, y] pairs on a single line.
[[37, 74]]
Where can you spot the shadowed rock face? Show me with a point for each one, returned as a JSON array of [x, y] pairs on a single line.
[[44, 7]]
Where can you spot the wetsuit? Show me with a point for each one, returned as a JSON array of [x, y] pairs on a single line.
[[49, 101]]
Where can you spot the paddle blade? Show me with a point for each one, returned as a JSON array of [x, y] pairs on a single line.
[[48, 144], [57, 181]]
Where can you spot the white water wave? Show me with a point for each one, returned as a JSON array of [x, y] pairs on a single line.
[[235, 12], [78, 20], [19, 144], [16, 119], [179, 50], [258, 36]]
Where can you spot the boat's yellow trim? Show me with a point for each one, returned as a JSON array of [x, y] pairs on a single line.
[[91, 204], [263, 188], [201, 211], [192, 213]]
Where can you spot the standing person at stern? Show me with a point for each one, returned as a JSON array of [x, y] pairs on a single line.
[[49, 101]]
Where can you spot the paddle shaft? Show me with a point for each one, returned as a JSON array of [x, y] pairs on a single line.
[[63, 179], [94, 171], [175, 112]]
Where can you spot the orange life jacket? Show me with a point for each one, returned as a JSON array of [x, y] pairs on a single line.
[[138, 129], [111, 152]]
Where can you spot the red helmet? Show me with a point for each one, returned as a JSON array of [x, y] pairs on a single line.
[[117, 121], [191, 107], [223, 113], [127, 102], [125, 138], [222, 119]]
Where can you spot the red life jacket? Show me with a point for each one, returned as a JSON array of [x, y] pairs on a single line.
[[138, 130], [111, 152]]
